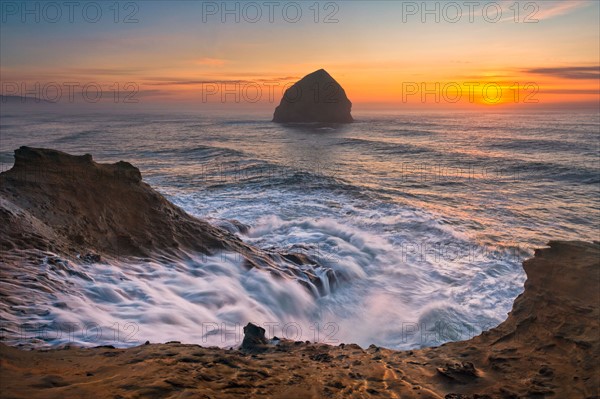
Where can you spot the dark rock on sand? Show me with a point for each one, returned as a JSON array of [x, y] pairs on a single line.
[[317, 97], [254, 338]]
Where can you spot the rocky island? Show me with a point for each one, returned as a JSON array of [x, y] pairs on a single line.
[[51, 201], [316, 98]]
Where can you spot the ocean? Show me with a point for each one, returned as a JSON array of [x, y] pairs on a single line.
[[424, 216]]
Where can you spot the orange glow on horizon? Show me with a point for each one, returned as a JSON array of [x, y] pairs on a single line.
[[212, 81]]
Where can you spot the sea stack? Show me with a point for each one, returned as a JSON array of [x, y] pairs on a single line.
[[317, 97]]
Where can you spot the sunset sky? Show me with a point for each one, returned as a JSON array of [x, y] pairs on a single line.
[[382, 53]]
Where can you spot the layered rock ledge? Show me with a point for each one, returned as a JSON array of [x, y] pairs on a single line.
[[54, 203], [67, 203]]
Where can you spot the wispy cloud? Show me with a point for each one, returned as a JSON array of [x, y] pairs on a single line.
[[541, 10], [195, 82], [573, 72], [571, 91], [166, 81], [213, 62], [552, 9], [104, 71]]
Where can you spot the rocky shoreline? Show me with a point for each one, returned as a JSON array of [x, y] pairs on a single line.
[[52, 202], [547, 348]]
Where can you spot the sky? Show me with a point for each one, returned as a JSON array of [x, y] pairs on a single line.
[[386, 54]]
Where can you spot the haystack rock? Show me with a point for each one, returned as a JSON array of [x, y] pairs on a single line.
[[317, 97]]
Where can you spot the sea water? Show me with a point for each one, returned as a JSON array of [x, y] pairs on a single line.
[[425, 217]]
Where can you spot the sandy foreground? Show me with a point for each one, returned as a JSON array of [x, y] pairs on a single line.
[[548, 347], [52, 202]]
